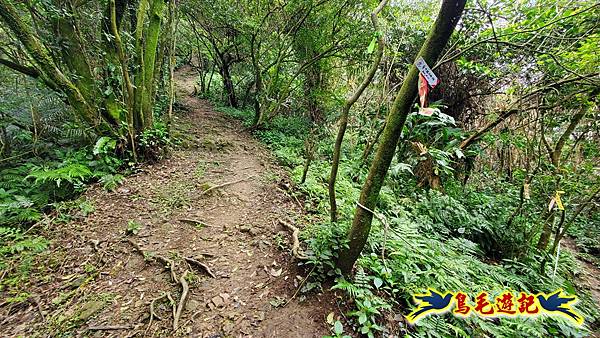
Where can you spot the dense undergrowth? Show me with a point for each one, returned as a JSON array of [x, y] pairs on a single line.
[[50, 160], [456, 241], [42, 192]]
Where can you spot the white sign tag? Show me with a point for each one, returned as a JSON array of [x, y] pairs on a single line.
[[429, 75]]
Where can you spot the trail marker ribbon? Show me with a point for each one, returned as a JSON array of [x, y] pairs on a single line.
[[427, 78]]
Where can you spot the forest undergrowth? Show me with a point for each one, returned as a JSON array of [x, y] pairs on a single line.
[[456, 240]]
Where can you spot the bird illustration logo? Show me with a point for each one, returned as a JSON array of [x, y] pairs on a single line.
[[560, 303], [431, 302]]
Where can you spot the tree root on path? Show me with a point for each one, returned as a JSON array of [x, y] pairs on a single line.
[[205, 267], [177, 307], [152, 313], [184, 294], [226, 184], [195, 222], [167, 262], [296, 250], [110, 327]]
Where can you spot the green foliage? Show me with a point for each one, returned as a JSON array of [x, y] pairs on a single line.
[[17, 252], [14, 241], [586, 231], [337, 328], [368, 305], [244, 115], [155, 143], [29, 189], [457, 240], [74, 174], [110, 182], [133, 227], [104, 150]]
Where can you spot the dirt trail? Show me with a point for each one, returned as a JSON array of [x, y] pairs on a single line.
[[589, 276], [96, 279]]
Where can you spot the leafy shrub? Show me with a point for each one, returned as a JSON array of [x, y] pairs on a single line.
[[369, 305], [155, 143], [453, 241], [245, 116]]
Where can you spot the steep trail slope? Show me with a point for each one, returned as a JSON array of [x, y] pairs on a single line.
[[96, 283]]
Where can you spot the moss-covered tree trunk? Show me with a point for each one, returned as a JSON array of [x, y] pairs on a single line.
[[337, 149], [45, 66], [437, 39], [151, 49], [112, 104], [72, 51], [106, 99]]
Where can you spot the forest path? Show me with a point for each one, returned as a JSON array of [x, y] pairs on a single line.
[[589, 276], [100, 282]]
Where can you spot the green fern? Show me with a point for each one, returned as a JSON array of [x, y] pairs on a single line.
[[73, 173]]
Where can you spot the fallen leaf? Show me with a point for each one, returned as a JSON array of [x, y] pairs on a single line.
[[330, 318], [276, 273]]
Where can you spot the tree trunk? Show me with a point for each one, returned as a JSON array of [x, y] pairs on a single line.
[[45, 66], [555, 155], [72, 53], [151, 48], [172, 45], [257, 80], [138, 115], [228, 83], [112, 104], [337, 149], [309, 153], [439, 35]]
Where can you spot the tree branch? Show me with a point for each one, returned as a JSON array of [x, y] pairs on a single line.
[[29, 71]]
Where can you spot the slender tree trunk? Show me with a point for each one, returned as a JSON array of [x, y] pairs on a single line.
[[437, 39], [257, 80], [309, 153], [337, 149], [140, 73], [112, 104], [172, 44], [212, 73], [580, 208], [129, 96], [227, 82], [555, 156], [151, 49]]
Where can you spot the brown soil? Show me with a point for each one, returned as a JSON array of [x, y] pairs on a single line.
[[94, 278], [589, 278]]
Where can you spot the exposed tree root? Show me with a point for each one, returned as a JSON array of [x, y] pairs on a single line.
[[300, 286], [197, 263], [173, 304], [167, 262], [195, 222], [296, 250], [152, 313], [225, 184], [177, 307], [110, 327], [184, 294]]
